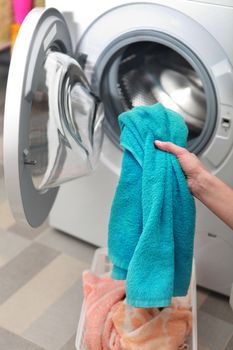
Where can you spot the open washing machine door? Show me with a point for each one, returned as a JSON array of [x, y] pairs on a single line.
[[53, 122]]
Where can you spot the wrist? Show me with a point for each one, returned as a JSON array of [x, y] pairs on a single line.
[[201, 182]]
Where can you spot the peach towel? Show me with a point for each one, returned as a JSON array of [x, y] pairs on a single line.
[[149, 329], [111, 324], [101, 294]]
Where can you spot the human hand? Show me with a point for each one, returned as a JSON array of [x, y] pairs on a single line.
[[192, 167]]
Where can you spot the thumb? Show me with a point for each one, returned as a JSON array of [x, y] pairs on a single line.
[[170, 147]]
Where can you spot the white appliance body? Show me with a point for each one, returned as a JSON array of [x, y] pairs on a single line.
[[90, 198], [192, 37]]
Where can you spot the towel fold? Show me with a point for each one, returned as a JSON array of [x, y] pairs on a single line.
[[101, 294], [149, 329], [151, 227]]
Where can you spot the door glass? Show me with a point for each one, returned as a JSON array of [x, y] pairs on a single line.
[[38, 138], [65, 125]]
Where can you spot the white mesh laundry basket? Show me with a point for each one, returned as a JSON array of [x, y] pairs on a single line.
[[101, 265]]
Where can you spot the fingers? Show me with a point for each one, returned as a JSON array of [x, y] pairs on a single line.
[[170, 147]]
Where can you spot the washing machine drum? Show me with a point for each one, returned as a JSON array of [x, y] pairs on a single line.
[[144, 73]]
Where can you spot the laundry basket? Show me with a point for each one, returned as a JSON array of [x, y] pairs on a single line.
[[100, 265]]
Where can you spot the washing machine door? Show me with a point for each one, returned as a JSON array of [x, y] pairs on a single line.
[[52, 122]]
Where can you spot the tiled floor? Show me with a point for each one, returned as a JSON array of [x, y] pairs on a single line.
[[41, 290]]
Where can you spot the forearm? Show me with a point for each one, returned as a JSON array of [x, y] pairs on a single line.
[[216, 195], [211, 191]]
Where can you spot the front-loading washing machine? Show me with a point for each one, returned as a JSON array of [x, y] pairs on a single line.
[[179, 53]]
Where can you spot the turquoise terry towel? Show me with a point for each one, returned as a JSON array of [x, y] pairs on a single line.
[[151, 227]]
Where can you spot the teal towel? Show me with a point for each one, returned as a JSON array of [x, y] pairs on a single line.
[[151, 227]]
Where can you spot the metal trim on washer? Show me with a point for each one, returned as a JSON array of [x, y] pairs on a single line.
[[108, 58]]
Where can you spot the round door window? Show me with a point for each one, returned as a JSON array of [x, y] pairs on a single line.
[[57, 133], [146, 72], [64, 125]]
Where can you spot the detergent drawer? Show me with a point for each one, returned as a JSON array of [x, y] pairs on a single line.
[[101, 265]]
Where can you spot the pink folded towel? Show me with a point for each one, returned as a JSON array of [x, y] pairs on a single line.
[[111, 324], [101, 294]]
